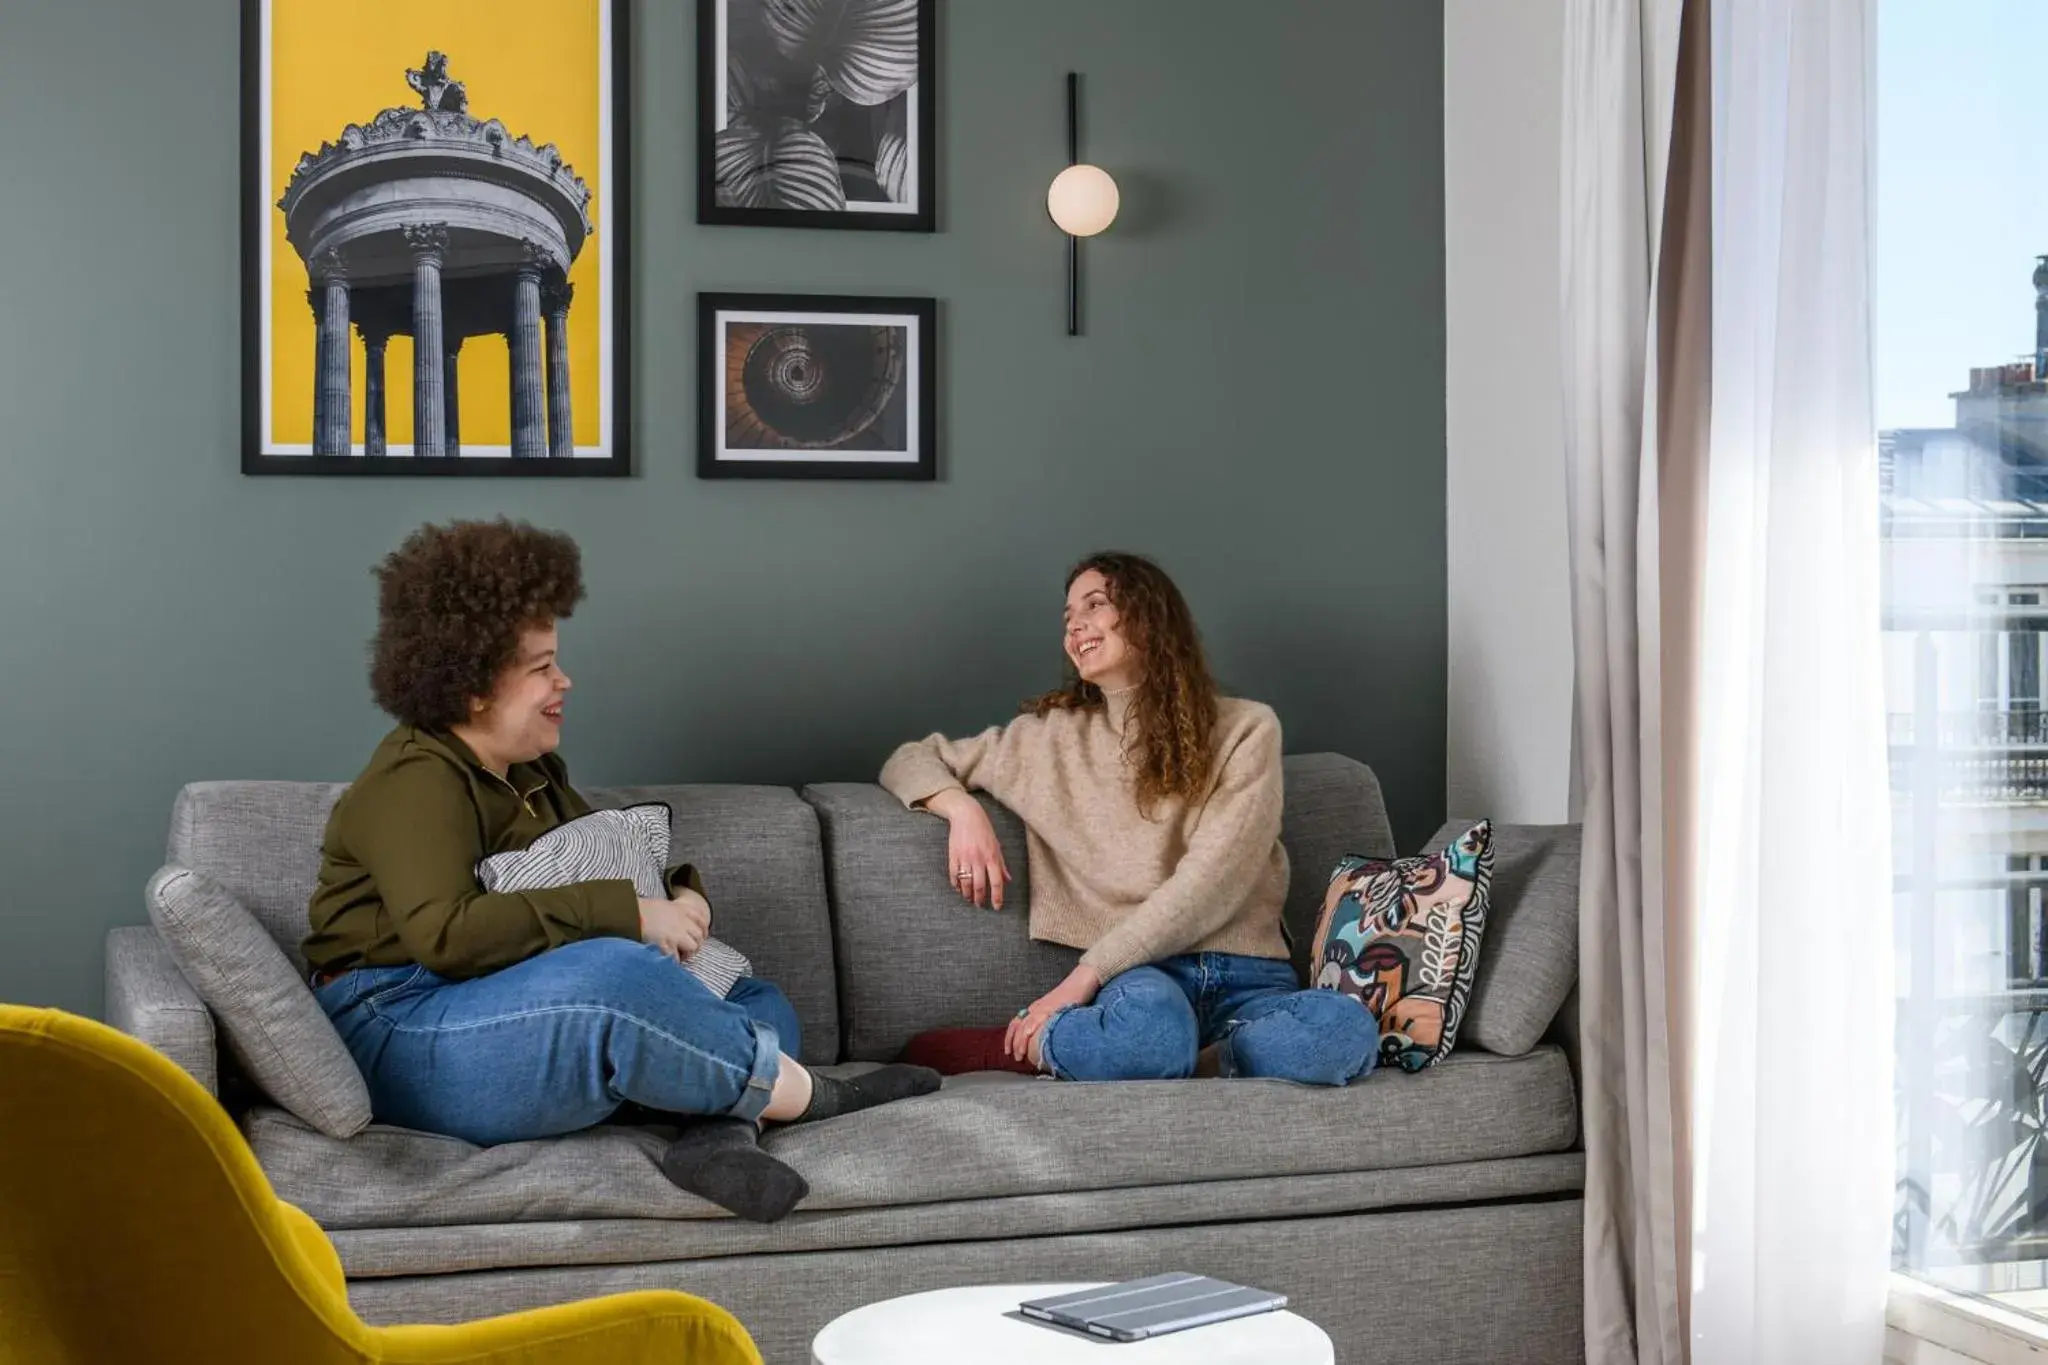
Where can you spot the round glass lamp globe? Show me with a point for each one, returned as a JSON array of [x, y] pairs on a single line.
[[1083, 200]]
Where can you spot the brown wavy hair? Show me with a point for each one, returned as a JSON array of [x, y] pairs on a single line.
[[1171, 737], [451, 604]]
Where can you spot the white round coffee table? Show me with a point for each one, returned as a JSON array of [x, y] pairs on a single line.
[[981, 1325]]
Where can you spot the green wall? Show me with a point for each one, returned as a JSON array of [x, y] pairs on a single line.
[[1259, 403]]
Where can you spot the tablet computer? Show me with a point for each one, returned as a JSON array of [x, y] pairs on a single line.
[[1138, 1309]]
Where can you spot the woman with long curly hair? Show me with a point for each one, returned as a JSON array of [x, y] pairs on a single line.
[[506, 1016], [1151, 806]]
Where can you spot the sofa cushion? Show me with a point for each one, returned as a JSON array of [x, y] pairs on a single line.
[[1532, 935], [894, 908], [272, 1022], [757, 847], [764, 874], [912, 954], [638, 1241], [260, 841], [1333, 807], [987, 1136]]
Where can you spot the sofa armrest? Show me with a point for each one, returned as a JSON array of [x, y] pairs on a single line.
[[149, 999], [1564, 1032]]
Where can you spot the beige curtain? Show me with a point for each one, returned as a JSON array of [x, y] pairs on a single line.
[[1685, 306], [1635, 304]]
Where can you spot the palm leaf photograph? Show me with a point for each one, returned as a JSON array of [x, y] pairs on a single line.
[[816, 113]]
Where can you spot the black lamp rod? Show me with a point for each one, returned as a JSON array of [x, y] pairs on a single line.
[[1073, 117], [1073, 242]]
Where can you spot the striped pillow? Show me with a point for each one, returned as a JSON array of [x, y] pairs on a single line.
[[632, 844]]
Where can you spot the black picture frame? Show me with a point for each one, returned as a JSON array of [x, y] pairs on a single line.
[[259, 455], [847, 134], [720, 371]]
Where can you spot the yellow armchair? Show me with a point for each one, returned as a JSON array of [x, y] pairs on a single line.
[[135, 1225]]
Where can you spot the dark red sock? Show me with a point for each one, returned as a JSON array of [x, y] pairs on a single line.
[[957, 1051]]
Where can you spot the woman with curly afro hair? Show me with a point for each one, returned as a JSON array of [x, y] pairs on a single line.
[[1151, 808], [506, 1016]]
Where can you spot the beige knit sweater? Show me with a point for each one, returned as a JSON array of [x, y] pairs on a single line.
[[1203, 877]]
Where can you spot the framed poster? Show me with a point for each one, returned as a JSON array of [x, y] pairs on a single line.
[[815, 113], [803, 386], [434, 218]]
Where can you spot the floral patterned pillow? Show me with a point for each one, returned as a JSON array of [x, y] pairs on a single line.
[[1403, 937]]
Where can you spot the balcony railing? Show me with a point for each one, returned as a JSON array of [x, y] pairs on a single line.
[[1974, 729], [1990, 757]]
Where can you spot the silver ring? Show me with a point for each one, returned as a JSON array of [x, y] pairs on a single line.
[[964, 873], [1024, 1013]]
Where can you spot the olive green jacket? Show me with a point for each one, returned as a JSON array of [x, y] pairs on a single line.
[[398, 865]]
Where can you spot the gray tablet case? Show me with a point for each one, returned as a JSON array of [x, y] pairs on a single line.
[[1138, 1309]]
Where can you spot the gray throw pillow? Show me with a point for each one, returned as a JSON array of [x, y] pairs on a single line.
[[1532, 935], [273, 1024], [632, 844]]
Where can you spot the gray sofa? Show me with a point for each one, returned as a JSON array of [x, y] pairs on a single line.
[[1432, 1216]]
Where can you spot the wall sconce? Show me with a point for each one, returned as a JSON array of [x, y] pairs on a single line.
[[1082, 201]]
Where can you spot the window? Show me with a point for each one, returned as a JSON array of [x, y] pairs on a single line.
[[2009, 675], [1961, 345]]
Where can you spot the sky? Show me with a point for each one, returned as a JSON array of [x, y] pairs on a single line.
[[1962, 196]]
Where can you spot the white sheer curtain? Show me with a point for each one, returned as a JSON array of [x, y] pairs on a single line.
[[1792, 1124], [1620, 64]]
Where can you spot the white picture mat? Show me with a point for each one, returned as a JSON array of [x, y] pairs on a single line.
[[721, 107]]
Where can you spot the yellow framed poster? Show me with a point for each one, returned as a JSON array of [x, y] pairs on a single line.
[[434, 237]]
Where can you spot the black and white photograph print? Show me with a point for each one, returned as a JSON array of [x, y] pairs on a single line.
[[800, 386], [815, 113]]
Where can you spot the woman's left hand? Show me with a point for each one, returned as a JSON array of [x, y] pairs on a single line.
[[1080, 988]]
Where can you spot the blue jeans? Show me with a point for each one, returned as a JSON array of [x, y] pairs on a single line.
[[1148, 1023], [558, 1042]]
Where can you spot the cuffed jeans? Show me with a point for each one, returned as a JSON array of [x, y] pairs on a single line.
[[1149, 1022], [558, 1042]]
